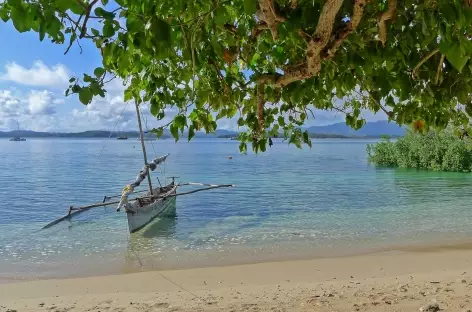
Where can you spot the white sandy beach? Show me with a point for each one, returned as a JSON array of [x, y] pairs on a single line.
[[405, 280]]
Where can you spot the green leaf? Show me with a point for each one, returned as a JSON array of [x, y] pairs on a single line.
[[359, 124], [54, 27], [19, 21], [4, 14], [243, 147], [85, 96], [250, 6], [15, 3], [76, 7], [159, 132], [306, 138], [95, 32], [262, 145], [128, 95], [103, 13], [154, 108], [99, 72], [444, 46], [180, 121], [254, 59], [72, 80], [191, 132], [457, 57], [216, 47], [281, 121], [87, 78], [221, 15], [161, 31], [174, 131], [134, 24], [75, 88], [449, 12], [42, 31], [108, 29]]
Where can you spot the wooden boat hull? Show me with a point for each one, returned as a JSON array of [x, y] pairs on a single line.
[[139, 216]]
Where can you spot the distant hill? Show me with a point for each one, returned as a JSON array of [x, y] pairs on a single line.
[[337, 130], [104, 134], [220, 133], [370, 129], [84, 134], [341, 130], [312, 135]]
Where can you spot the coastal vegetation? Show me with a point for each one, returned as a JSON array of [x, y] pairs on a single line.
[[435, 150], [268, 63]]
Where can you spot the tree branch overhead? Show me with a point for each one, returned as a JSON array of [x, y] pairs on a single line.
[[270, 16], [387, 15]]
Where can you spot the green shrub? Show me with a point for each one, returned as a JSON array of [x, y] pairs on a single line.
[[432, 151], [383, 153]]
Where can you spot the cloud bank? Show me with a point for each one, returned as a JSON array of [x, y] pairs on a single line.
[[39, 75], [40, 105]]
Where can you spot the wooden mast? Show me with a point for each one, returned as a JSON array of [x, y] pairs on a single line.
[[141, 135]]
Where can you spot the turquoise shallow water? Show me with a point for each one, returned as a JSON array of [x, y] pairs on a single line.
[[288, 203]]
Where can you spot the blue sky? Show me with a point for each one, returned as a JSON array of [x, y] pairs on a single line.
[[34, 76]]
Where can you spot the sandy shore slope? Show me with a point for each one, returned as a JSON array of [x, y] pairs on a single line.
[[391, 281]]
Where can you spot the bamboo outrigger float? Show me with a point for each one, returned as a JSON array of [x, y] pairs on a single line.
[[156, 202]]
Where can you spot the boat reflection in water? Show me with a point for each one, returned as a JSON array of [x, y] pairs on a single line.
[[143, 247]]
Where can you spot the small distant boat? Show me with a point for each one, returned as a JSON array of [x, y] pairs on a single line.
[[17, 138], [121, 136]]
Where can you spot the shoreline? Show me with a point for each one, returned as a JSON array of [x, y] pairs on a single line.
[[385, 281], [132, 262]]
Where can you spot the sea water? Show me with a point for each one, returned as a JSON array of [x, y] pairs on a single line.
[[287, 204]]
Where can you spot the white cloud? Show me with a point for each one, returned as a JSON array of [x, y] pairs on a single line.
[[42, 103], [39, 75], [10, 105], [58, 101], [112, 112], [35, 110]]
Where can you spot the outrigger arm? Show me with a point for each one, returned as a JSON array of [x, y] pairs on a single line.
[[77, 210]]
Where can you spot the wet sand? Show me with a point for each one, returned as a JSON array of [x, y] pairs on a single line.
[[408, 280]]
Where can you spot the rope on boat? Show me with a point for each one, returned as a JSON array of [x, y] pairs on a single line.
[[101, 151], [153, 148], [129, 189]]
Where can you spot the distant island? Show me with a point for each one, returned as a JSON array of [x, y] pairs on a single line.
[[312, 135], [84, 134], [338, 130]]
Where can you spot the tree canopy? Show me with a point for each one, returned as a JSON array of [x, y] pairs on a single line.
[[268, 63]]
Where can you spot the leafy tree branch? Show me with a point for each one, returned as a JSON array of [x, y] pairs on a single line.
[[268, 63]]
